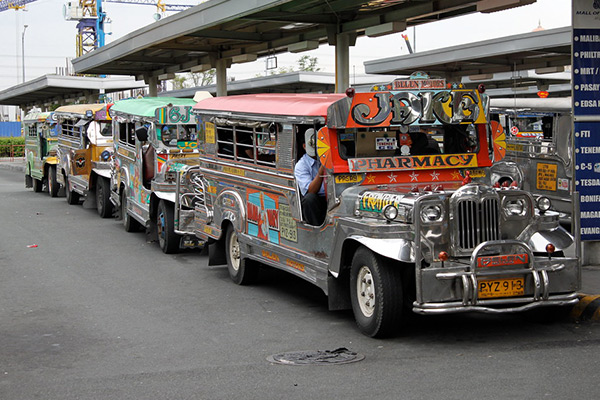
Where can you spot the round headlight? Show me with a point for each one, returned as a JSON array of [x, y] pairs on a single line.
[[390, 212], [431, 213], [105, 155], [515, 207], [544, 203]]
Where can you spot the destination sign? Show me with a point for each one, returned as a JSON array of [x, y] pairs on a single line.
[[415, 162]]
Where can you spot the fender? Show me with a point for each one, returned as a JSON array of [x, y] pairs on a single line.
[[559, 237], [102, 172], [396, 249], [235, 213], [168, 196]]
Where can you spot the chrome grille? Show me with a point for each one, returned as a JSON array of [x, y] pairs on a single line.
[[477, 222]]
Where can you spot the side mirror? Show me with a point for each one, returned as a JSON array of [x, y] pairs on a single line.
[[142, 134]]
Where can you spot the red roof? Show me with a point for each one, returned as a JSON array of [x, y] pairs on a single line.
[[293, 104]]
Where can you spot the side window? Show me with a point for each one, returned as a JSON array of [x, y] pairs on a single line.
[[225, 142], [252, 145], [126, 132]]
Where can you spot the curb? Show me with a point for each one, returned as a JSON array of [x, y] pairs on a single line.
[[13, 166], [588, 308]]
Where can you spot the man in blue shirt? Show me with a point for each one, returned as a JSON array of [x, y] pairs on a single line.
[[309, 174]]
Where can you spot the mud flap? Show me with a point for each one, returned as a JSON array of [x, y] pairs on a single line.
[[151, 231], [338, 293], [216, 253], [90, 200], [28, 181]]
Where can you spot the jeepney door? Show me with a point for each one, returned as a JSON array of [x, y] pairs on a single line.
[[80, 162]]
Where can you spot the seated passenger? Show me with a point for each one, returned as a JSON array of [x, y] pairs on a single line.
[[309, 174]]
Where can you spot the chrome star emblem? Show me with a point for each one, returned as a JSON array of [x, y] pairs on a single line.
[[414, 177]]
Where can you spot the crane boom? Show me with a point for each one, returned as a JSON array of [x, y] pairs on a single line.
[[13, 4], [168, 7]]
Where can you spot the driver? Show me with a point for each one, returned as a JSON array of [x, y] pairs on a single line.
[[309, 174]]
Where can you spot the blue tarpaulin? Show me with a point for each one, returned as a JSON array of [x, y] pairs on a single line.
[[10, 129]]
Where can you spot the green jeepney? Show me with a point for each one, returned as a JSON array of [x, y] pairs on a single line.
[[41, 151], [154, 138]]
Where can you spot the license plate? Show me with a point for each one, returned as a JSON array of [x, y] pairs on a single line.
[[501, 288]]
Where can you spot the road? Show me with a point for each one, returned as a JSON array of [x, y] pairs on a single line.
[[94, 312]]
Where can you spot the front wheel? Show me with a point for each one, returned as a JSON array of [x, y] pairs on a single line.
[[376, 294], [53, 185], [103, 204], [167, 238], [241, 271]]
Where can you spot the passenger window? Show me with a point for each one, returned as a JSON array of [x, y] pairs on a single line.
[[255, 145]]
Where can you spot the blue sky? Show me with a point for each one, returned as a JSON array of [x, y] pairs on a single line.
[[50, 39]]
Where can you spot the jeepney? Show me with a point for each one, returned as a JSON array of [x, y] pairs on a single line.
[[539, 145], [406, 229], [85, 146], [41, 143], [153, 139]]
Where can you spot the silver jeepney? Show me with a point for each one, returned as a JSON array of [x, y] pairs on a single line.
[[154, 138], [405, 230]]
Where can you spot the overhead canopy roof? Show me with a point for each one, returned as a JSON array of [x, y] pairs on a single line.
[[59, 88], [241, 30], [291, 82], [513, 61]]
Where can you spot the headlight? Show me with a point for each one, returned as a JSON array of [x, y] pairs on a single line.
[[390, 212], [431, 213], [543, 203], [516, 207], [105, 155]]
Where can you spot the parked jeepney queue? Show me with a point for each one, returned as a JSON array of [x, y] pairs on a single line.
[[384, 199]]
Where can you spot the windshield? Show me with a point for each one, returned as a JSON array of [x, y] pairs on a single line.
[[99, 133], [532, 126], [170, 135], [408, 141]]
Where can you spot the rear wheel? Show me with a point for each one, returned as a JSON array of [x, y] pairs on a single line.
[[129, 223], [37, 185], [167, 238], [242, 271], [53, 185], [103, 204], [72, 196], [376, 294]]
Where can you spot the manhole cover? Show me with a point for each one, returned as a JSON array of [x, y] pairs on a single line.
[[320, 357]]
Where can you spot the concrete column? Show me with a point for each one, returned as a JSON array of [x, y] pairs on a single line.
[[342, 63], [221, 74], [153, 86]]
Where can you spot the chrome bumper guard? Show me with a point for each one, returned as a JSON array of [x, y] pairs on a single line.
[[539, 270]]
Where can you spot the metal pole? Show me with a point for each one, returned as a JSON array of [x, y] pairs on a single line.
[[23, 50]]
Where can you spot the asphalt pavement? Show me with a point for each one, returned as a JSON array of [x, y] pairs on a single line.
[[588, 308]]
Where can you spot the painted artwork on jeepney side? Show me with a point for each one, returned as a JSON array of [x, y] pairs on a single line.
[[263, 215]]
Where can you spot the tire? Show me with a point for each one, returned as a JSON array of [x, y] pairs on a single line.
[[103, 204], [129, 223], [37, 185], [168, 240], [53, 185], [241, 271], [376, 294], [72, 196]]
